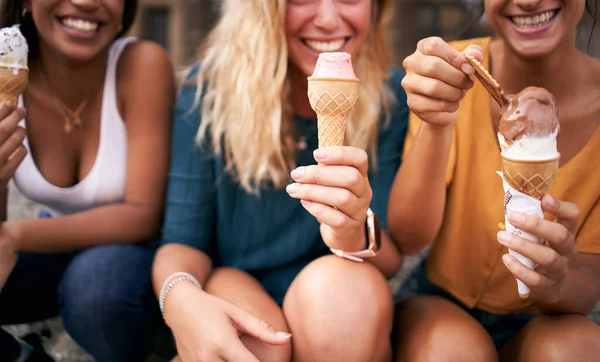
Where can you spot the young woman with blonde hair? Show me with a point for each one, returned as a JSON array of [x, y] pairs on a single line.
[[244, 261]]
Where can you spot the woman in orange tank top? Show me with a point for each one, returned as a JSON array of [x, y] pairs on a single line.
[[462, 304]]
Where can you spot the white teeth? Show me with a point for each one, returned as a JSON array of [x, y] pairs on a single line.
[[79, 24], [533, 21], [321, 47]]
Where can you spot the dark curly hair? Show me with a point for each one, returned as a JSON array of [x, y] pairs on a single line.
[[11, 13]]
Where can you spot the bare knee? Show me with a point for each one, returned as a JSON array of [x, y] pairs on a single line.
[[435, 329], [555, 338], [336, 305]]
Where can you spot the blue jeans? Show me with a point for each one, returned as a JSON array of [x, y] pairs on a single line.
[[500, 327], [103, 294]]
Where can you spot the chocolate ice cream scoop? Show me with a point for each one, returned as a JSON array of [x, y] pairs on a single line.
[[531, 112]]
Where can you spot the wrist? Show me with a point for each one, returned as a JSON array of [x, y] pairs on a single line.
[[172, 284], [178, 297], [439, 129]]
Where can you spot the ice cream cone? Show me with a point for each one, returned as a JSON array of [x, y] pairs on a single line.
[[530, 177], [332, 99], [12, 83]]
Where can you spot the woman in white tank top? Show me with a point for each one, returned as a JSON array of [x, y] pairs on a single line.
[[93, 149]]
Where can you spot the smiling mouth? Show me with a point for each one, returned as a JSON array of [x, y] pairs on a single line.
[[534, 21], [84, 26], [325, 46]]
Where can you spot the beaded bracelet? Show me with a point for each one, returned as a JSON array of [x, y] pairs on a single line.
[[169, 283]]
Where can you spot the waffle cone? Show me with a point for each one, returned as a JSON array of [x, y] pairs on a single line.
[[533, 178], [332, 99], [11, 84]]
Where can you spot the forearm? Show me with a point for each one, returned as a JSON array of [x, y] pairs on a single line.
[[388, 259], [418, 195], [578, 295], [114, 223], [174, 258]]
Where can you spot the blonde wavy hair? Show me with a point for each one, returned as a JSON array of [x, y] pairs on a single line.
[[248, 119]]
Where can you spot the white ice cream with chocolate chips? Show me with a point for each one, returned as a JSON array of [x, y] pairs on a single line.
[[13, 48]]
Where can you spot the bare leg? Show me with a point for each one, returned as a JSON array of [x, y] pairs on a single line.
[[246, 292], [434, 329], [339, 310], [555, 338]]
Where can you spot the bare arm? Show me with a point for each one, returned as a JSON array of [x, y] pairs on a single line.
[[146, 83], [418, 195], [174, 258], [436, 80], [388, 260]]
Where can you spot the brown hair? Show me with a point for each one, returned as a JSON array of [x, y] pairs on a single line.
[[11, 13]]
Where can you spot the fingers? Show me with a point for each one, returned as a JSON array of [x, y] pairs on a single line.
[[248, 324], [547, 258], [559, 237], [348, 178], [420, 67], [343, 156], [9, 123], [475, 50], [13, 142], [237, 352], [334, 218], [427, 105], [437, 47], [566, 213], [340, 198], [6, 109], [531, 278]]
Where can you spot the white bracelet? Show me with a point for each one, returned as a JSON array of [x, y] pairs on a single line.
[[169, 283]]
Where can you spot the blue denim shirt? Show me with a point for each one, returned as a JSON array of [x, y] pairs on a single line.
[[208, 210]]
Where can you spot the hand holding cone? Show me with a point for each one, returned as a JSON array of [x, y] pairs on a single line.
[[527, 134]]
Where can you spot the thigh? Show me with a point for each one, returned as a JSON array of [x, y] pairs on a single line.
[[555, 338], [431, 328], [108, 305], [247, 293], [31, 292]]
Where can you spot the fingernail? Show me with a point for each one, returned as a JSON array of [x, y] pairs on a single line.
[[550, 201], [467, 69], [504, 237], [305, 203], [292, 188], [298, 173], [516, 217], [320, 154], [283, 335], [506, 259]]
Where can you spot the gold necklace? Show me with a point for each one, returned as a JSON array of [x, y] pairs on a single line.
[[72, 119]]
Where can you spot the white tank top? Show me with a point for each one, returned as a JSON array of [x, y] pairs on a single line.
[[105, 182]]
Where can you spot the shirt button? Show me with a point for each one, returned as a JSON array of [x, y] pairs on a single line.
[[501, 225]]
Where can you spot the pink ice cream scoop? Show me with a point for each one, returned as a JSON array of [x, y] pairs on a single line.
[[334, 65]]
